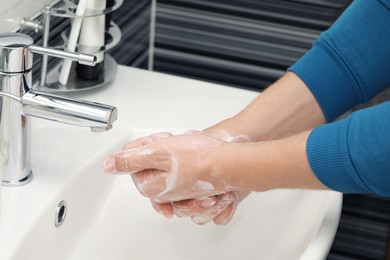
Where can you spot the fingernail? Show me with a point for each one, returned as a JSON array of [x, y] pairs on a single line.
[[168, 215], [208, 202], [109, 165], [165, 213]]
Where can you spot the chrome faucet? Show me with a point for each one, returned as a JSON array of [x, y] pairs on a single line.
[[18, 101]]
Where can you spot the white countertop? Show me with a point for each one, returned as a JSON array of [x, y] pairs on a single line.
[[157, 100]]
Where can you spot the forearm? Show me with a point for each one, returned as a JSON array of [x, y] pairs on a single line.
[[285, 108], [341, 71], [266, 165], [350, 156]]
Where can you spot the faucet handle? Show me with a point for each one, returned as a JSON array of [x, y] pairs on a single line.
[[85, 59], [16, 53]]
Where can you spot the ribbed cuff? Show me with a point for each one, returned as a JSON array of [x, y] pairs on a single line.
[[329, 158], [329, 79]]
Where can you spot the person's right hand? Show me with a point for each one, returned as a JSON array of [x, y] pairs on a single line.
[[218, 208]]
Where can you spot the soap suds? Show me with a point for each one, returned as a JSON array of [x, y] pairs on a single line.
[[223, 202], [203, 185], [171, 180]]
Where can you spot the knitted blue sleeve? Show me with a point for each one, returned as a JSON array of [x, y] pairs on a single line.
[[348, 65], [353, 155], [350, 62]]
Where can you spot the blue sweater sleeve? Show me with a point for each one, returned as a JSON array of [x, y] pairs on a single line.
[[353, 155], [350, 62], [347, 66]]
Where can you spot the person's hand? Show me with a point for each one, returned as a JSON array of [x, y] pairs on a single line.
[[172, 169], [219, 208], [151, 175]]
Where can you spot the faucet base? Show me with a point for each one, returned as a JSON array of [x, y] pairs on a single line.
[[20, 182]]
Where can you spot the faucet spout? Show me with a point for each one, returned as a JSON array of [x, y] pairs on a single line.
[[18, 102], [99, 117]]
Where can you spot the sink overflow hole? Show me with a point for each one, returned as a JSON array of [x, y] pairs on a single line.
[[60, 214]]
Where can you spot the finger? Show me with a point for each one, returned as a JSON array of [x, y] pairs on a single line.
[[151, 183], [227, 214], [188, 208], [146, 140], [224, 201], [164, 209], [134, 160]]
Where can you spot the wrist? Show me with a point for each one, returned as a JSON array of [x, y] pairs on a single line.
[[266, 165], [226, 135], [229, 162]]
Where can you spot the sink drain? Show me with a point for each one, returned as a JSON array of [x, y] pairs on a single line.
[[60, 214]]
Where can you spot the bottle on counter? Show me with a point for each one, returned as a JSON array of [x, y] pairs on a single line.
[[91, 41]]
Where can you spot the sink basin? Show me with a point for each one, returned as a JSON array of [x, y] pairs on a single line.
[[106, 218], [273, 225]]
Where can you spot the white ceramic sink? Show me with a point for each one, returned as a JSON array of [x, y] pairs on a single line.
[[108, 219]]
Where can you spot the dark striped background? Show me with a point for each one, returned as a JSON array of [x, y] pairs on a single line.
[[241, 43]]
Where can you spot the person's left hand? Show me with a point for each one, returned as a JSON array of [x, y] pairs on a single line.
[[173, 168], [218, 208]]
